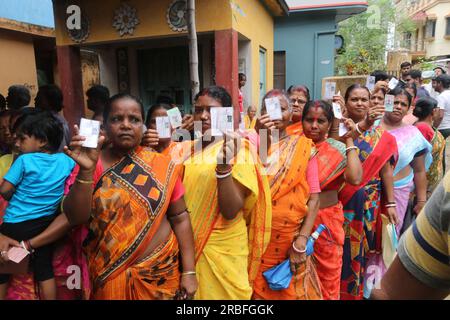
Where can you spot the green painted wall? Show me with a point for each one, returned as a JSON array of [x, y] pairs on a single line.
[[308, 40]]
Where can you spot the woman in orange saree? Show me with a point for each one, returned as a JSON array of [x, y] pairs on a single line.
[[291, 169], [139, 226], [337, 162]]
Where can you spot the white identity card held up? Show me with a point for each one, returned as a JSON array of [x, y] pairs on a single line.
[[342, 129], [90, 129], [163, 127], [175, 117], [330, 90], [221, 121], [389, 103], [393, 83], [370, 83], [337, 110], [273, 107]]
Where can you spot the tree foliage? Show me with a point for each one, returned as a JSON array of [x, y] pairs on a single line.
[[368, 35]]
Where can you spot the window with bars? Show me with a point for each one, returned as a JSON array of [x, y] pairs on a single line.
[[279, 72]]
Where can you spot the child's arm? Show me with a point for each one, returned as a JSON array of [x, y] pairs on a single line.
[[7, 190]]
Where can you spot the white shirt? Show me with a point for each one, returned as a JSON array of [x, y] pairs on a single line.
[[444, 104]]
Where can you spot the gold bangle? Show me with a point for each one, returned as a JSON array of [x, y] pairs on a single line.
[[189, 273], [84, 181]]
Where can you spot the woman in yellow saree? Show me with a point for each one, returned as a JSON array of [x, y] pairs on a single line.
[[292, 172], [229, 201], [140, 231]]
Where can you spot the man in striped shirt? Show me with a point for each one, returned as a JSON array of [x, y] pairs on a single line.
[[421, 269]]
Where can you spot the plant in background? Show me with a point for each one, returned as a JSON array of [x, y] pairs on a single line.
[[367, 36]]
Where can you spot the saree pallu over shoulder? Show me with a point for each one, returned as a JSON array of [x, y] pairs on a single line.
[[376, 147], [129, 203], [410, 141], [286, 171], [295, 128], [214, 235], [331, 160]]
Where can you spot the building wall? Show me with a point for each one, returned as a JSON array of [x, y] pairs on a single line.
[[297, 36], [17, 62], [252, 20], [210, 16], [439, 46]]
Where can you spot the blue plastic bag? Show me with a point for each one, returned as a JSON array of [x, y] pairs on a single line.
[[280, 276]]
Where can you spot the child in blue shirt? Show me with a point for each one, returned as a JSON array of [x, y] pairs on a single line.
[[34, 187]]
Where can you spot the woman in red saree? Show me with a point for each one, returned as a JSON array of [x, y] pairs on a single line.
[[337, 162], [362, 203], [138, 224]]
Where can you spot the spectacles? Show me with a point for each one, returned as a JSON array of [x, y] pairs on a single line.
[[299, 101]]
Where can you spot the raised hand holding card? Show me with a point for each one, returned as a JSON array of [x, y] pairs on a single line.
[[163, 127], [90, 129], [393, 83], [273, 107], [330, 90], [337, 110], [370, 83], [389, 103], [175, 117]]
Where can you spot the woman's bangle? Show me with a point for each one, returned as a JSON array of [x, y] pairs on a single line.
[[297, 250], [358, 129], [392, 205], [223, 176], [84, 181], [351, 148], [188, 273], [224, 172]]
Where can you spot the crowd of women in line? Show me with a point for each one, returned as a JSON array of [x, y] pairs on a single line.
[[151, 218]]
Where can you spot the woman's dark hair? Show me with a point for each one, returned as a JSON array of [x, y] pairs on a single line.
[[398, 91], [153, 108], [352, 88], [217, 93], [300, 88], [413, 87], [121, 96], [326, 107], [43, 126], [424, 107], [241, 76], [53, 95]]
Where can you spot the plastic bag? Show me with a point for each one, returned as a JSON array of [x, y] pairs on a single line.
[[280, 276], [389, 241]]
